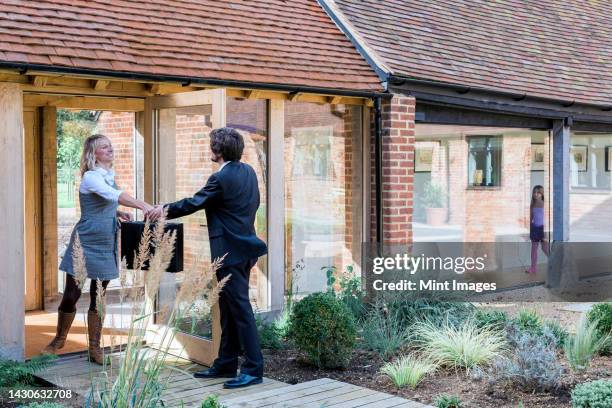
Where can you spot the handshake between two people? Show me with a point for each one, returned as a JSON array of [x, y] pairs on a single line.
[[154, 213]]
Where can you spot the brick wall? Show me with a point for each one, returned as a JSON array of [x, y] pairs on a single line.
[[119, 128], [397, 170]]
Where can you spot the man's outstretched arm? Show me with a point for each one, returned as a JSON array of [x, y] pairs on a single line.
[[208, 195]]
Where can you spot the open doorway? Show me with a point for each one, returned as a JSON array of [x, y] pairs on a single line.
[[71, 127]]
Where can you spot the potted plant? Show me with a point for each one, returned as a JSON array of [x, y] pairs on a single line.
[[434, 201]]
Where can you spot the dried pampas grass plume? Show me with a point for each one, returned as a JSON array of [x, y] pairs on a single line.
[[100, 300], [123, 280], [144, 247], [78, 262], [164, 249], [198, 281]]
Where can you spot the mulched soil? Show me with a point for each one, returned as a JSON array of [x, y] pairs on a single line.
[[287, 366]]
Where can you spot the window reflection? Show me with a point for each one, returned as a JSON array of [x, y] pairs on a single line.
[[323, 199]]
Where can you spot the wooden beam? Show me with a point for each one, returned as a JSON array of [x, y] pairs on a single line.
[[253, 94], [276, 205], [84, 87], [155, 88], [561, 180], [39, 81], [293, 96], [6, 76], [101, 84], [85, 102], [12, 272], [49, 203], [559, 256], [334, 100], [81, 85], [33, 208], [436, 114]]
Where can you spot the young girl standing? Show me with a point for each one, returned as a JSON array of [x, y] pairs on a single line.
[[536, 229]]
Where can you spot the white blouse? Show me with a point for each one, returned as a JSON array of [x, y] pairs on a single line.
[[100, 181]]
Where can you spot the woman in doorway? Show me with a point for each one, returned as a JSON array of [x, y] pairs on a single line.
[[97, 230], [536, 228]]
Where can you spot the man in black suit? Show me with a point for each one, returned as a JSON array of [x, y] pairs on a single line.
[[230, 199]]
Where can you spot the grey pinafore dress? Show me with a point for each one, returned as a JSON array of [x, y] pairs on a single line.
[[97, 228]]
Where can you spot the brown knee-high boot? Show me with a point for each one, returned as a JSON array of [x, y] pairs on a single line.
[[94, 328], [64, 321]]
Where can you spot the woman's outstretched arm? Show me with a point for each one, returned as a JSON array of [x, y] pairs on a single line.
[[127, 200]]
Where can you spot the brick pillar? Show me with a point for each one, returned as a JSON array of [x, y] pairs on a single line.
[[397, 169]]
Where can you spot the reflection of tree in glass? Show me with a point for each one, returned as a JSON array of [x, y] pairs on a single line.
[[73, 127]]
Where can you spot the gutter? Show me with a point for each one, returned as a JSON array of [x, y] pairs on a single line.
[[23, 68], [378, 170]]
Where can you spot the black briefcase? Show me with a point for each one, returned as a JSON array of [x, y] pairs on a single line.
[[131, 233]]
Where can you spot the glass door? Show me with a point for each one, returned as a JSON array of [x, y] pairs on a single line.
[[181, 137]]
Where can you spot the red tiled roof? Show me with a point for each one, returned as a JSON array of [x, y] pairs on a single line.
[[273, 42], [546, 48]]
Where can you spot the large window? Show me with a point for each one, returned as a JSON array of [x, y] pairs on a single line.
[[484, 162], [323, 196], [250, 118], [590, 162], [474, 184], [185, 165], [591, 187]]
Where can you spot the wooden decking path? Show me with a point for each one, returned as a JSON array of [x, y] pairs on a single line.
[[74, 372]]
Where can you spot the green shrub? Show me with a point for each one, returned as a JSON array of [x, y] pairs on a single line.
[[602, 313], [491, 318], [269, 334], [382, 333], [407, 370], [349, 289], [448, 401], [282, 323], [580, 348], [323, 329], [594, 394], [466, 346], [212, 401], [557, 331], [15, 373], [529, 321], [408, 309]]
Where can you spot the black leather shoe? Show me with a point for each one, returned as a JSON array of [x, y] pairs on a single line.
[[242, 380], [213, 372]]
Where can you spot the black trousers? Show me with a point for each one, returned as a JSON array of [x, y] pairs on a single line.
[[238, 327], [72, 293]]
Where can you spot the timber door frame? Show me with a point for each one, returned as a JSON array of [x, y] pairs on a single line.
[[33, 246]]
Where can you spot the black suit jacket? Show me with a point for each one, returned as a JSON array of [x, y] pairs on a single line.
[[230, 199]]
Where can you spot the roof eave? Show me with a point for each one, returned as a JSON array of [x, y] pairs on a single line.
[[496, 100], [24, 68]]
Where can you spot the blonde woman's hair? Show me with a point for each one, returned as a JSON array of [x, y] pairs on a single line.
[[88, 157]]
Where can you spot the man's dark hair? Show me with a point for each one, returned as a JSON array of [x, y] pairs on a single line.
[[227, 142]]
